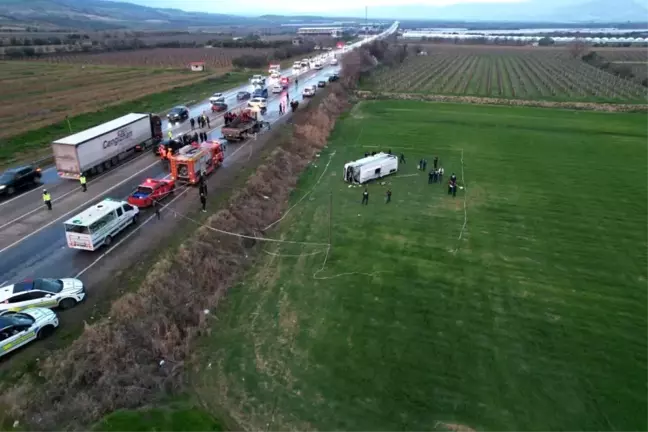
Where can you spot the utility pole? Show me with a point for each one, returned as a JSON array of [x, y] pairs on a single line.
[[366, 28], [330, 219]]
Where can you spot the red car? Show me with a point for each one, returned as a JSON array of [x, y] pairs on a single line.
[[219, 107], [151, 190]]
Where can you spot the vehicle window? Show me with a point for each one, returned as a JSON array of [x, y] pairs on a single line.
[[7, 176], [144, 190], [77, 229], [49, 285], [20, 298], [25, 171], [128, 207], [120, 211], [35, 295], [23, 286], [99, 224]]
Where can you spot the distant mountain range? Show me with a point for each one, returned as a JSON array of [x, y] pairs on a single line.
[[104, 15], [562, 11]]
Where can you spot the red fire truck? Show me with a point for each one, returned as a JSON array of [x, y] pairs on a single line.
[[194, 161]]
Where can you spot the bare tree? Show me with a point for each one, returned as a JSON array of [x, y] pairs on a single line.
[[577, 48]]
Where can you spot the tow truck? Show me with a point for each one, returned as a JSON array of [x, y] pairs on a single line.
[[242, 126], [194, 161]]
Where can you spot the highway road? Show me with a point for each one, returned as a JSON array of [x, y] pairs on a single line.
[[32, 239]]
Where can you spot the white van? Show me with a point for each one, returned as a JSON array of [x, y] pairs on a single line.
[[277, 88], [370, 168], [97, 225]]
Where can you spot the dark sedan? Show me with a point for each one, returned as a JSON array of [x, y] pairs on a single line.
[[178, 113], [15, 179], [321, 84], [243, 95], [333, 77]]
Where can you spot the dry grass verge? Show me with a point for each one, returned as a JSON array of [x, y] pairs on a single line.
[[137, 354], [590, 106]]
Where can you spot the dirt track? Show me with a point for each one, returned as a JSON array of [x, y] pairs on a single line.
[[589, 106]]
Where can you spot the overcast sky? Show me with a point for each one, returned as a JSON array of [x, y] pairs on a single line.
[[280, 7]]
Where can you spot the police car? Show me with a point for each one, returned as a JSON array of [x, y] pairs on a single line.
[[20, 328], [45, 293]]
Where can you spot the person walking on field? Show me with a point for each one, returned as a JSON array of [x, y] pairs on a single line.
[[47, 199], [436, 161], [431, 177], [402, 158], [440, 174], [82, 180], [365, 197], [388, 196]]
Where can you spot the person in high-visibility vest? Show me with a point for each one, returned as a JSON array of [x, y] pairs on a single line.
[[47, 199], [170, 134], [82, 180]]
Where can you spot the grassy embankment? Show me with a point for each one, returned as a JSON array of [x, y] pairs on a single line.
[[532, 317]]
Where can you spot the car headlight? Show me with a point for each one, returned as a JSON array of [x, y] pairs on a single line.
[[3, 187]]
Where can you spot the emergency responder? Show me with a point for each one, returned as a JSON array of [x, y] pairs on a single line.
[[47, 199], [424, 164], [208, 122], [170, 134], [452, 187], [440, 174], [203, 202], [163, 153], [436, 161], [453, 178], [156, 207], [402, 158], [365, 197], [388, 196], [82, 180], [431, 177], [192, 122]]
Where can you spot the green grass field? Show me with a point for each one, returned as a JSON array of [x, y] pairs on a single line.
[[531, 318]]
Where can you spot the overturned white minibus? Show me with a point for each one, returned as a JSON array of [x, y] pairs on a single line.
[[370, 168]]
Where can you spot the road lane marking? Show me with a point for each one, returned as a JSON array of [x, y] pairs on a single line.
[[112, 188], [75, 209], [38, 189], [137, 228]]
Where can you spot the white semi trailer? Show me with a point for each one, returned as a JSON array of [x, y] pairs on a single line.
[[99, 148]]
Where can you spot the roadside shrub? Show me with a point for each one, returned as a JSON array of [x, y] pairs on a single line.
[[117, 362]]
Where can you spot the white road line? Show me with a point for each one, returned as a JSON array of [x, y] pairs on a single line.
[[103, 255], [74, 209], [38, 189]]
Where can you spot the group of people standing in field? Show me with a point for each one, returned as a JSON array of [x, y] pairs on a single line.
[[435, 175]]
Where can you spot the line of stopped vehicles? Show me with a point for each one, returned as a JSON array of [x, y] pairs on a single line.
[[26, 307]]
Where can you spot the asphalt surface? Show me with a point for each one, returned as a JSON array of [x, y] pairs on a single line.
[[32, 239]]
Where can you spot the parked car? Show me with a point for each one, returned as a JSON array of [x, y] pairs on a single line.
[[260, 93], [258, 102], [20, 328], [173, 144], [15, 179], [151, 190], [243, 95], [46, 293], [217, 98], [308, 92], [219, 107], [321, 84], [178, 113]]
